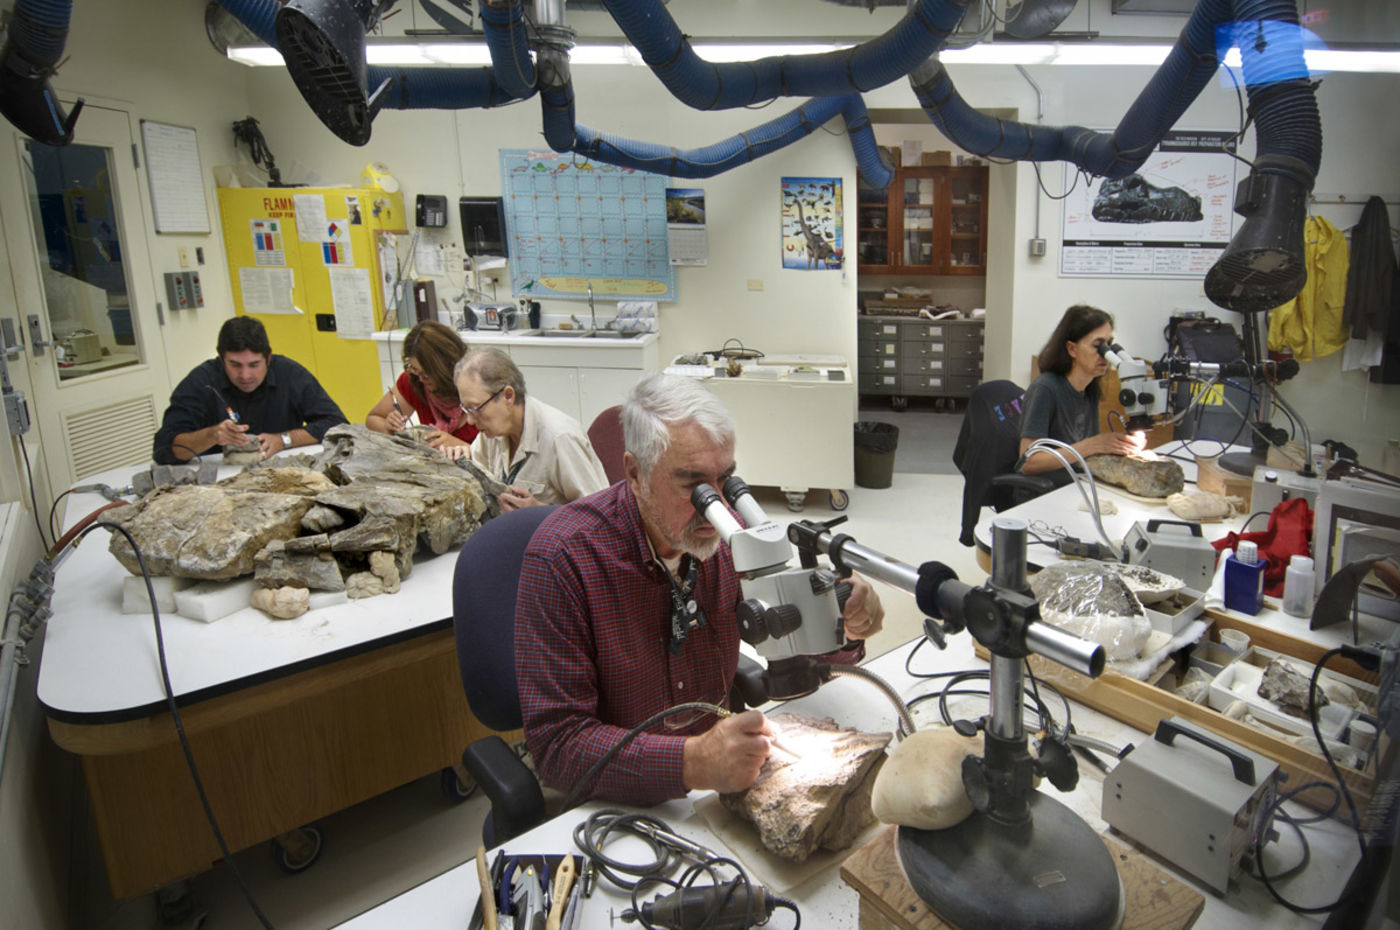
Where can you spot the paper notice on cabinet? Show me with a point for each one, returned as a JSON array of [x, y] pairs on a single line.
[[311, 217], [353, 301], [267, 290]]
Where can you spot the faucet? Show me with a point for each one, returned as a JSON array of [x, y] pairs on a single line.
[[592, 314]]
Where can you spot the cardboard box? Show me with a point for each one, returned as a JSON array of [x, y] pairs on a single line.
[[936, 159]]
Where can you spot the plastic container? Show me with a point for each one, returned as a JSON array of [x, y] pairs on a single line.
[[1298, 583], [1244, 579], [875, 445]]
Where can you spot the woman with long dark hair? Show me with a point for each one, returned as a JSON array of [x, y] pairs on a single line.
[[1063, 402], [431, 351]]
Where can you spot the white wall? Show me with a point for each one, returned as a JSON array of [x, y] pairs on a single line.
[[151, 59]]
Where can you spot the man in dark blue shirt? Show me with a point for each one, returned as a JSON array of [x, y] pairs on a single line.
[[244, 394]]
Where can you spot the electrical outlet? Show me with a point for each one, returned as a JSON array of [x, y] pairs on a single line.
[[184, 254], [1037, 248], [755, 284]]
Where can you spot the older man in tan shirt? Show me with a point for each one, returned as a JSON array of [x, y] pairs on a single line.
[[541, 453]]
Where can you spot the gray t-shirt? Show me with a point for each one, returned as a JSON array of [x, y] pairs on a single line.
[[1054, 409]]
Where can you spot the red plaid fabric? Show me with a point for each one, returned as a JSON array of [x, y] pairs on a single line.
[[592, 637]]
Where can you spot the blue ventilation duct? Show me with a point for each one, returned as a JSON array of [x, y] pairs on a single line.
[[1262, 268], [37, 32]]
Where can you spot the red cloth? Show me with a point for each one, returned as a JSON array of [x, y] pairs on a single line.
[[1289, 534], [448, 420]]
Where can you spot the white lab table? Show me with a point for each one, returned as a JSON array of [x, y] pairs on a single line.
[[446, 901], [289, 720]]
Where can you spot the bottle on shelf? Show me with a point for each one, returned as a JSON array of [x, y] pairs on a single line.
[[1298, 582], [1244, 579]]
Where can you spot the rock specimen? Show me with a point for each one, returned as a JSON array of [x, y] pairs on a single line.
[[144, 482], [818, 801], [1144, 474], [282, 603], [1202, 505], [279, 564], [246, 454], [321, 519], [363, 584], [1150, 585], [921, 784], [279, 480], [1090, 600], [381, 566], [204, 531], [1288, 688]]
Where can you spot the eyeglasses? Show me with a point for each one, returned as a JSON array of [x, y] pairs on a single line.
[[476, 411]]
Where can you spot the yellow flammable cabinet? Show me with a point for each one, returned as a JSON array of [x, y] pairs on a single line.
[[306, 261]]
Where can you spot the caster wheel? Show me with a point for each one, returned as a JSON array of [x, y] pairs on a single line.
[[457, 787], [840, 500], [899, 403], [796, 500], [297, 850]]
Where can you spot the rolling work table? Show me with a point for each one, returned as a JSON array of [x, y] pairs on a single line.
[[288, 720], [446, 901]]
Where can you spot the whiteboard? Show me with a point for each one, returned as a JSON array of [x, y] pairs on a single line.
[[177, 184]]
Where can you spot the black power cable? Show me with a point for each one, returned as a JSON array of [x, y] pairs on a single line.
[[33, 500], [174, 709], [247, 132]]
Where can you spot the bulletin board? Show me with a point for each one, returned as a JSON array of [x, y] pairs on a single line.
[[176, 180], [573, 222]]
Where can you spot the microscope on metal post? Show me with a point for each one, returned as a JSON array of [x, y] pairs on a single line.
[[1021, 859]]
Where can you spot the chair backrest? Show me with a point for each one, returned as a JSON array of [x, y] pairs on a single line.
[[605, 433], [989, 442], [483, 613]]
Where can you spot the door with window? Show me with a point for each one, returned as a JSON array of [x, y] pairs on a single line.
[[85, 299]]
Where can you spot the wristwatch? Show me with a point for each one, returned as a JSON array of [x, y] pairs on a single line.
[[286, 440]]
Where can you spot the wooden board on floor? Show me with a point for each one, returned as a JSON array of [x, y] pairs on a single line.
[[1153, 900]]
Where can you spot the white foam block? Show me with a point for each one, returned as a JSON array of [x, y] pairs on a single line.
[[214, 600], [321, 599], [135, 600]]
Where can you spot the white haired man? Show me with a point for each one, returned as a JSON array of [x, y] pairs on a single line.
[[626, 608]]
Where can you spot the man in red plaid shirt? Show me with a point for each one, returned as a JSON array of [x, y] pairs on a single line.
[[626, 608]]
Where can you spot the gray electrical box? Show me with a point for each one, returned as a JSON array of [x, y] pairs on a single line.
[[1194, 798], [182, 290]]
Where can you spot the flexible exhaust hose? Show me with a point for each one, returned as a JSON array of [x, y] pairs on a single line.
[[737, 150], [38, 31], [708, 86], [410, 88], [503, 23]]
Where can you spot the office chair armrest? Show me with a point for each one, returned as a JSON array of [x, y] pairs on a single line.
[[1024, 487], [517, 804]]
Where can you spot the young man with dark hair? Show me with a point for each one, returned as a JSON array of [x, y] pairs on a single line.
[[246, 393]]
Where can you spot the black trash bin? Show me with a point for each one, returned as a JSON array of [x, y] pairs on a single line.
[[875, 446]]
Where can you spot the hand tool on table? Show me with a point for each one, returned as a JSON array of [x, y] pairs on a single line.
[[559, 895], [488, 895], [527, 901]]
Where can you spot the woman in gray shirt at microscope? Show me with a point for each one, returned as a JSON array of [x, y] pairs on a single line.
[[1063, 402]]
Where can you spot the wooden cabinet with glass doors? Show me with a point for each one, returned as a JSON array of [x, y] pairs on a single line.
[[931, 220]]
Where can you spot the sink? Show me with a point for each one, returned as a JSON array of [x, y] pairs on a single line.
[[582, 334]]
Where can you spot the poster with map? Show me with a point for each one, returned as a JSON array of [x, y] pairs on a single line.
[[573, 222], [1169, 219]]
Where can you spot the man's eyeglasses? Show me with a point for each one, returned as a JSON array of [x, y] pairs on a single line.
[[476, 411]]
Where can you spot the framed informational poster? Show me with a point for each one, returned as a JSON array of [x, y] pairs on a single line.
[[811, 224], [1169, 219]]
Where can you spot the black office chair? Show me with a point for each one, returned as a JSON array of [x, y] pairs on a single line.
[[989, 443], [483, 620]]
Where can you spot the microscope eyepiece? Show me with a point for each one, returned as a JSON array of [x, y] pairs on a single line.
[[703, 496]]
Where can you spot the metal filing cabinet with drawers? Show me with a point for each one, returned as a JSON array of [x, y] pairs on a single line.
[[903, 357]]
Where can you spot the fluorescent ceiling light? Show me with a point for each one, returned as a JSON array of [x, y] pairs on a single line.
[[424, 54]]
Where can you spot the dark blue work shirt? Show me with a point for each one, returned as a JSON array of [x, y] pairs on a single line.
[[289, 398]]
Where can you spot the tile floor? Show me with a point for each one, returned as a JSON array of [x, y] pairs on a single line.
[[387, 844]]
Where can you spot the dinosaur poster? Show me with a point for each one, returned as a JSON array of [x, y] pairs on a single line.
[[811, 224], [1169, 219]]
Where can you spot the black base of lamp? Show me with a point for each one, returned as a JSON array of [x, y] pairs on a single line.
[[1242, 463], [1053, 873]]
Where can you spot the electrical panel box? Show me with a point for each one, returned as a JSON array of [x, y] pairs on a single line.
[[430, 210], [182, 290]]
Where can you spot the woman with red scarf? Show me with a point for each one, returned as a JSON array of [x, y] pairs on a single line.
[[430, 352]]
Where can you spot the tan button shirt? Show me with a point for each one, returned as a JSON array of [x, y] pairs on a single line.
[[554, 460]]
